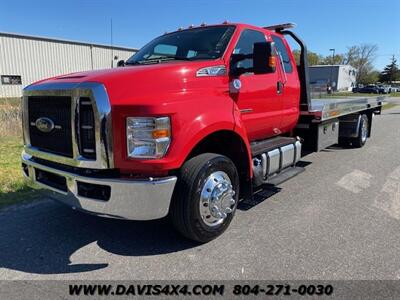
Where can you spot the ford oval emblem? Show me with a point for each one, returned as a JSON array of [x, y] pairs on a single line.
[[45, 125]]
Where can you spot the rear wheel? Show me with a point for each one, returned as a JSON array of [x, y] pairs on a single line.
[[206, 197], [362, 137]]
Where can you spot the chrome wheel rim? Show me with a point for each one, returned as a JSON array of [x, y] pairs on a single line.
[[364, 131], [217, 199]]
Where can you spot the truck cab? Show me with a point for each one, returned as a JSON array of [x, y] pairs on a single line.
[[186, 128]]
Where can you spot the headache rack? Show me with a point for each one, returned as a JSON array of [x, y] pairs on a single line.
[[302, 67], [280, 27]]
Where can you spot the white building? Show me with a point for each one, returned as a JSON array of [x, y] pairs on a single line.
[[25, 59], [340, 77]]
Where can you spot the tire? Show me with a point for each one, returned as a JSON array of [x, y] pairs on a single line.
[[361, 139], [200, 180]]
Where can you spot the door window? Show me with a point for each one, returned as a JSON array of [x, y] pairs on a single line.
[[282, 50], [245, 46]]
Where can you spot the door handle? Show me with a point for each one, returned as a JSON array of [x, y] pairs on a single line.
[[279, 87]]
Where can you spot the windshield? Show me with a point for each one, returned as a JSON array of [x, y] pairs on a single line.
[[193, 44]]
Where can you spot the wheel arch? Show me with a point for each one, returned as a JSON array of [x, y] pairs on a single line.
[[232, 145]]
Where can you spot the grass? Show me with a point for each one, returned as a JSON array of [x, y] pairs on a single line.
[[10, 117], [12, 186], [389, 105]]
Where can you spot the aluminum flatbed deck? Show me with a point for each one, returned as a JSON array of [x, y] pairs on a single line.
[[329, 108]]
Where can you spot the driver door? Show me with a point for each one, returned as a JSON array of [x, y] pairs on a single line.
[[258, 98]]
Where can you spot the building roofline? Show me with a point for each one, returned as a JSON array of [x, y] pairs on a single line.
[[56, 40], [330, 66]]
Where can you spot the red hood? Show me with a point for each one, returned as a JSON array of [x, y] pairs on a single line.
[[141, 83]]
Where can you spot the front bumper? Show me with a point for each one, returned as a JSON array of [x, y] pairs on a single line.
[[146, 199]]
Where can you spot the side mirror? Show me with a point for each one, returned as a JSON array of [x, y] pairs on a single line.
[[264, 60], [120, 63]]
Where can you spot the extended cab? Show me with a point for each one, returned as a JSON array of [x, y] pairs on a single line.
[[187, 127]]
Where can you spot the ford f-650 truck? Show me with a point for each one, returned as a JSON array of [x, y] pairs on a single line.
[[191, 124]]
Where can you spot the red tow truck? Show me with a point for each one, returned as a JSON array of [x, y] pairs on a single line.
[[193, 123]]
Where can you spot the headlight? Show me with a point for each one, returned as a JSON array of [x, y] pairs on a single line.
[[148, 137]]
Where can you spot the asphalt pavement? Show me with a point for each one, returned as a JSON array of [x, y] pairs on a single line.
[[340, 219]]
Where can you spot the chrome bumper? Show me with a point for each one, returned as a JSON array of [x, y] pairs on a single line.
[[129, 199]]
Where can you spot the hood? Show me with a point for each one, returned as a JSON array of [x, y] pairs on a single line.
[[141, 82]]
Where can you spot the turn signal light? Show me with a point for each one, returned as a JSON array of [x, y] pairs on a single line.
[[272, 62], [160, 133]]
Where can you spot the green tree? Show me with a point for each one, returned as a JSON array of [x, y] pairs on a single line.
[[371, 77], [313, 58], [391, 72], [333, 60]]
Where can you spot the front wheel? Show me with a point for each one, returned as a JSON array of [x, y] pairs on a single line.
[[205, 197]]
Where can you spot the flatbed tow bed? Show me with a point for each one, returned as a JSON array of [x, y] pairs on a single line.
[[327, 108], [329, 121]]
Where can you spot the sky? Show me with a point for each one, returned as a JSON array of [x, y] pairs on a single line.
[[322, 24]]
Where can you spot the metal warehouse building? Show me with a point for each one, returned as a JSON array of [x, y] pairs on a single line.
[[25, 59]]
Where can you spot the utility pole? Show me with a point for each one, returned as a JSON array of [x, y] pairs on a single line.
[[333, 61], [112, 49]]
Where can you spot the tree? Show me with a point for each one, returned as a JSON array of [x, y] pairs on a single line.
[[333, 60], [371, 77], [361, 58], [313, 58], [391, 72]]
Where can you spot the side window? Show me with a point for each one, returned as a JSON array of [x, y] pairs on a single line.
[[245, 45], [282, 50]]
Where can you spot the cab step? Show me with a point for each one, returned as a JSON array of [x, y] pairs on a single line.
[[260, 147], [285, 175]]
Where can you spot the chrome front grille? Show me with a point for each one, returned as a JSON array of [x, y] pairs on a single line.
[[57, 111], [80, 118]]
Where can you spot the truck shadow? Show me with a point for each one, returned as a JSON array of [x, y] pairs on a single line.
[[40, 238], [259, 196], [265, 192], [45, 237]]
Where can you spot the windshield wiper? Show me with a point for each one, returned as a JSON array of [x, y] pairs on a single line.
[[176, 57], [157, 60], [131, 63]]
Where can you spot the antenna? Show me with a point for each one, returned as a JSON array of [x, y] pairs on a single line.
[[112, 48]]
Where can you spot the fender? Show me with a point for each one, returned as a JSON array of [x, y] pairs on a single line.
[[216, 128], [191, 123]]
